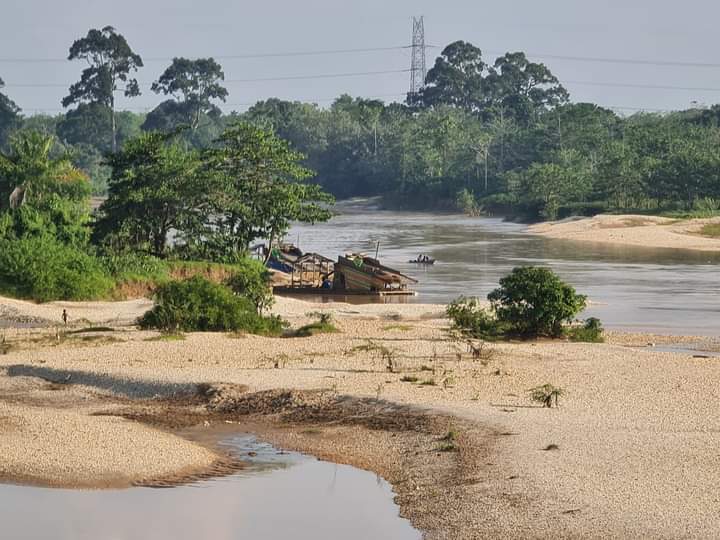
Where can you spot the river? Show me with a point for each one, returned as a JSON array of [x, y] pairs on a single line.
[[669, 291], [278, 496]]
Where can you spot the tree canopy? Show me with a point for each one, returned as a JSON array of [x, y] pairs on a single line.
[[9, 116], [259, 187], [111, 61], [153, 189], [193, 84]]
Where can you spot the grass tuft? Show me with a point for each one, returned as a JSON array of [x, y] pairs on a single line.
[[167, 337]]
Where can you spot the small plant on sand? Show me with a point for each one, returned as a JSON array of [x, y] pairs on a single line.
[[4, 345], [90, 329], [167, 336], [280, 361], [590, 332], [397, 327], [323, 325], [480, 351], [448, 382], [448, 443], [388, 356], [546, 394]]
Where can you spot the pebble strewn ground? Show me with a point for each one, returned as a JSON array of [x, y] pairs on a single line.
[[631, 452]]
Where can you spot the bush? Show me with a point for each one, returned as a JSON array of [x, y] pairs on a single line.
[[534, 301], [253, 281], [471, 320], [43, 269], [134, 267], [323, 325], [197, 304], [590, 332], [466, 202]]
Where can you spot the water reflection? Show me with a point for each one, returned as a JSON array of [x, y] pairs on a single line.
[[665, 290], [280, 496]]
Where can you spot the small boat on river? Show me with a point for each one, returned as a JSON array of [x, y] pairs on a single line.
[[426, 260]]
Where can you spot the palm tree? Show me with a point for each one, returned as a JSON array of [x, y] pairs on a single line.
[[30, 174]]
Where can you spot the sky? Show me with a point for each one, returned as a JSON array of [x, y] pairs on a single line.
[[35, 31]]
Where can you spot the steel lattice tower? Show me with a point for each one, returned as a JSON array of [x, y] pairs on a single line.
[[418, 69]]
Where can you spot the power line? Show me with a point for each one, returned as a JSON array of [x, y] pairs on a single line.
[[632, 61], [645, 86], [241, 104], [260, 79], [231, 56]]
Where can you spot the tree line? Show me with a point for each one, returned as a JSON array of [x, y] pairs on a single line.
[[496, 136]]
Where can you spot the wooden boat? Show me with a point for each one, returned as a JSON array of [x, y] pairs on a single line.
[[426, 261], [358, 273]]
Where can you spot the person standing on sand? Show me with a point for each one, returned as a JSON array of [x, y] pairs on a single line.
[[64, 317]]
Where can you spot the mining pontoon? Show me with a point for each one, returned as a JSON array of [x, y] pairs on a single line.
[[351, 274]]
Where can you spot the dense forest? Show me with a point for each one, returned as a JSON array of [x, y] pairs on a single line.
[[496, 136]]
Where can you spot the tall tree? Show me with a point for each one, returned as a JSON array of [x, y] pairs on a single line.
[[260, 186], [456, 79], [523, 88], [194, 84], [111, 61], [9, 116], [153, 188]]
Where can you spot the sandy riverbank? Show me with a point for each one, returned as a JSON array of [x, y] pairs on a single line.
[[632, 230], [636, 434]]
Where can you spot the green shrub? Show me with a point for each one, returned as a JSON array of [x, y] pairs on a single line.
[[466, 202], [711, 230], [197, 304], [590, 332], [471, 320], [253, 281], [534, 301], [43, 269], [134, 267], [323, 325], [705, 207]]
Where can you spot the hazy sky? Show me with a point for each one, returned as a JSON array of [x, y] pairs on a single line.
[[656, 30]]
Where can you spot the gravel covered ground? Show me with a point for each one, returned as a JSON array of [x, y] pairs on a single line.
[[631, 452]]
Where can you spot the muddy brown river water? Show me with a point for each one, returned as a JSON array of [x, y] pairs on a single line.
[[669, 291]]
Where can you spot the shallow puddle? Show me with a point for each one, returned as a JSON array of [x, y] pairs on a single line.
[[278, 496]]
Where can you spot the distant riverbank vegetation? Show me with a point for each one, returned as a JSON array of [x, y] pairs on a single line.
[[185, 182], [484, 135]]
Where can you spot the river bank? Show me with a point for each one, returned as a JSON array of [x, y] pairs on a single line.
[[632, 230], [631, 451]]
